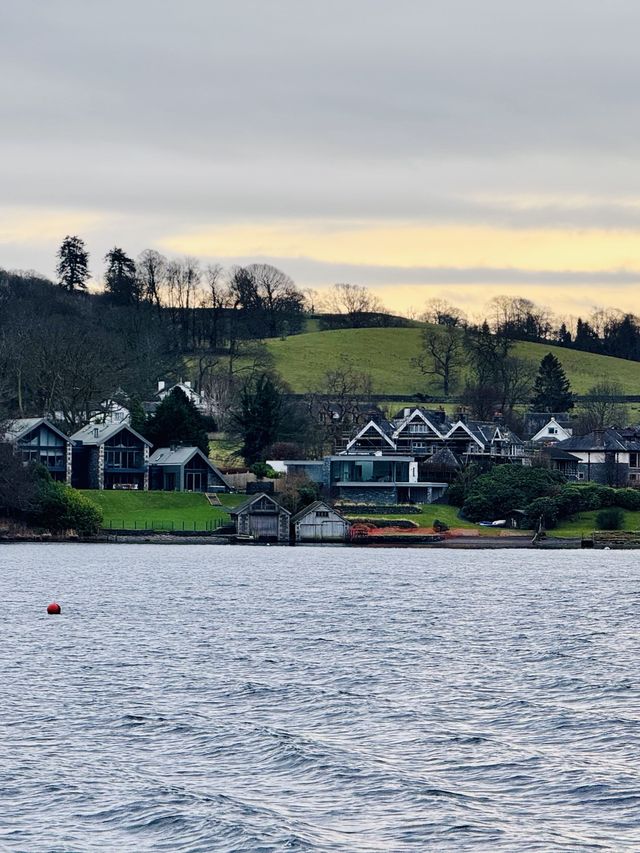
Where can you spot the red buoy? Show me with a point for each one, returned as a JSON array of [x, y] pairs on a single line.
[[53, 609]]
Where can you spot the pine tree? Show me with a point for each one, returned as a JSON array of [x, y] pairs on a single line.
[[258, 418], [552, 389], [177, 421], [121, 281], [138, 417], [73, 264]]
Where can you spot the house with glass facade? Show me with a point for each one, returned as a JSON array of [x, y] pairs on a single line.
[[110, 456], [184, 469], [38, 440]]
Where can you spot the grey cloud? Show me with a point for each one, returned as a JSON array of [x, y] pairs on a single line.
[[171, 116]]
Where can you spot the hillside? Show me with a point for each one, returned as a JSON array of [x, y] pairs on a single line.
[[386, 354]]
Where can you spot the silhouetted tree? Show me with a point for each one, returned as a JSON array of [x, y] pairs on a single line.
[[258, 417], [121, 282], [552, 389], [73, 264]]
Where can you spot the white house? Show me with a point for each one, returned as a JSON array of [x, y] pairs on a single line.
[[187, 389], [552, 431]]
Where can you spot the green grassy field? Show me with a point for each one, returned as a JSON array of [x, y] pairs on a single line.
[[159, 510], [431, 512], [585, 524], [386, 354]]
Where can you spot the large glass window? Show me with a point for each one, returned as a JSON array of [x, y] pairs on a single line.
[[122, 458]]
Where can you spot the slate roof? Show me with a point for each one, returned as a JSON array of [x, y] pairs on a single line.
[[560, 455], [21, 426], [182, 455], [173, 456], [444, 458], [598, 440], [314, 506], [252, 499], [87, 434]]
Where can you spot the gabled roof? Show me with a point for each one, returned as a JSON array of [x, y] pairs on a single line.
[[418, 414], [22, 426], [313, 507], [97, 434], [597, 440], [384, 428], [187, 389], [481, 439], [252, 499], [561, 455], [182, 455], [444, 458]]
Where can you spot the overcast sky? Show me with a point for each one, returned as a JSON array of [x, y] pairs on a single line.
[[457, 148]]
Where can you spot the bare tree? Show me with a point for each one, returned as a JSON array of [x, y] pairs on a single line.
[[151, 270], [443, 313], [602, 408], [341, 401], [441, 355], [353, 300]]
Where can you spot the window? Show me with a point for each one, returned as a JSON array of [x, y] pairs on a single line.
[[633, 477], [552, 430], [322, 514], [581, 475], [633, 460]]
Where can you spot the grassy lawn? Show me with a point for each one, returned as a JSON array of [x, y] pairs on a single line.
[[224, 451], [137, 510], [443, 512], [585, 524], [302, 360]]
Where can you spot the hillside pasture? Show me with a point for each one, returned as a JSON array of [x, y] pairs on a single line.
[[302, 361]]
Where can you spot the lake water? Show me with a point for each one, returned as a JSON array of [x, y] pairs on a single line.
[[207, 698]]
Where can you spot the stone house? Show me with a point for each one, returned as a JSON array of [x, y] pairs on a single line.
[[110, 456], [39, 440]]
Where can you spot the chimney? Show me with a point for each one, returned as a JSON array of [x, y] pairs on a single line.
[[460, 415], [187, 384], [161, 385], [406, 412]]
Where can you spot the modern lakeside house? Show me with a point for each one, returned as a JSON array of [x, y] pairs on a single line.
[[110, 455], [38, 440], [184, 469]]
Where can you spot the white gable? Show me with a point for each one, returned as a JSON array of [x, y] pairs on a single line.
[[417, 415], [459, 427], [552, 431], [372, 425]]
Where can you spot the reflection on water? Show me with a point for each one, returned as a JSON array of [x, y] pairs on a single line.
[[196, 698]]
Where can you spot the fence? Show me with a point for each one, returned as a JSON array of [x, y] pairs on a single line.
[[172, 526]]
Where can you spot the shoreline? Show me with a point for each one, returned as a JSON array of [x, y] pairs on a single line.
[[205, 538]]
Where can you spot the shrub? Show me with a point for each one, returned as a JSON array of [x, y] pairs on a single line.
[[508, 487], [63, 508], [440, 526], [545, 508], [610, 518], [262, 470], [628, 498], [455, 494]]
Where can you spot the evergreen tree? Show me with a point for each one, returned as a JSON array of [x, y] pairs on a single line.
[[552, 390], [73, 264], [121, 281], [138, 418], [177, 421], [259, 417]]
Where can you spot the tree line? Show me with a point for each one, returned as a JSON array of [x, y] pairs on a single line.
[[605, 331]]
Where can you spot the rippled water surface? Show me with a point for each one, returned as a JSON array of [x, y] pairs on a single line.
[[196, 698]]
